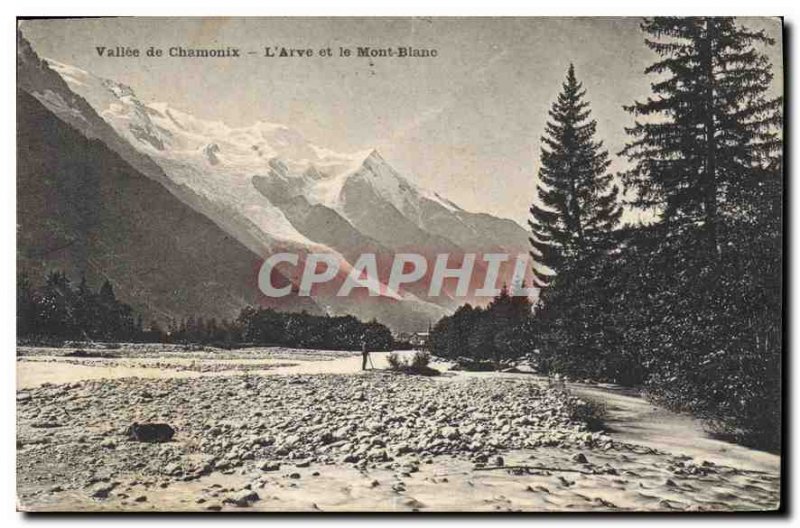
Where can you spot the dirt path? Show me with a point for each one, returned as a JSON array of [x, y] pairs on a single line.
[[633, 419]]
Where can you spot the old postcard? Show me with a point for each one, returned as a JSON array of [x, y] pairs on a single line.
[[399, 264]]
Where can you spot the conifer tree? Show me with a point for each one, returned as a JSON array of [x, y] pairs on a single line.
[[577, 200], [86, 313], [507, 309], [698, 146], [27, 305]]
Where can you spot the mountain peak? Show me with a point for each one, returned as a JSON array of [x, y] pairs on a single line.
[[375, 156]]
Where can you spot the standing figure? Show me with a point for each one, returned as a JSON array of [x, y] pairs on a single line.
[[364, 355]]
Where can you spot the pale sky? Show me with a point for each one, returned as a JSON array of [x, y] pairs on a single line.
[[466, 123]]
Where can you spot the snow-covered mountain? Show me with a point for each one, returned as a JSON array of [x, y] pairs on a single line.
[[89, 204], [220, 162], [273, 190]]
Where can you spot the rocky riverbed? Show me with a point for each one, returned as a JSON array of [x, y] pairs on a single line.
[[194, 365], [375, 441], [165, 352]]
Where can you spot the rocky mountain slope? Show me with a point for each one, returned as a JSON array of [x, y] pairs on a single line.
[[271, 190], [83, 208]]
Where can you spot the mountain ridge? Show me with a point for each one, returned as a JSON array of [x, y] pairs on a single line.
[[273, 191]]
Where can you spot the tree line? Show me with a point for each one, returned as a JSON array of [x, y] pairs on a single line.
[[58, 311], [494, 336], [688, 304]]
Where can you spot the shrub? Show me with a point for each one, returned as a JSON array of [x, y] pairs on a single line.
[[395, 362], [420, 360], [590, 412], [418, 364]]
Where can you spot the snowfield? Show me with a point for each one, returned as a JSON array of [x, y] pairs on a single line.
[[220, 161]]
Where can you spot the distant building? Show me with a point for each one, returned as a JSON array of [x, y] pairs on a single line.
[[416, 339]]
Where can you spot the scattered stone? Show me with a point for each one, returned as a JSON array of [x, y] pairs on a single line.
[[243, 498], [270, 466], [451, 433], [413, 503], [102, 490], [605, 503], [47, 424], [580, 458], [313, 420], [150, 432]]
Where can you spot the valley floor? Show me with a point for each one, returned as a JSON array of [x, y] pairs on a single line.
[[287, 430]]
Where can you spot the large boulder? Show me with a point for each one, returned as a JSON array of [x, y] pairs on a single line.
[[150, 432]]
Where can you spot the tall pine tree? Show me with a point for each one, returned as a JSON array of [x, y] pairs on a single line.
[[701, 144], [577, 200]]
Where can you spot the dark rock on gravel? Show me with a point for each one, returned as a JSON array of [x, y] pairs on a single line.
[[243, 498], [150, 432]]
